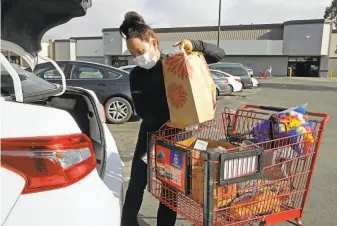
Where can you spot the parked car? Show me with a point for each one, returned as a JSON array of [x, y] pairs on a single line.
[[235, 69], [110, 84], [222, 85], [127, 68], [234, 81], [59, 162]]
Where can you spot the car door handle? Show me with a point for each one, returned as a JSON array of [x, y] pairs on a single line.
[[102, 84]]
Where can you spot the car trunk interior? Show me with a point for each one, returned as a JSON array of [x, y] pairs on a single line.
[[85, 114]]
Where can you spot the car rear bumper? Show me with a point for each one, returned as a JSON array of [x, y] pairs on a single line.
[[247, 85], [224, 92], [86, 203], [237, 87]]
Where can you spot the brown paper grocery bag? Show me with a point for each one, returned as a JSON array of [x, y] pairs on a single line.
[[190, 89]]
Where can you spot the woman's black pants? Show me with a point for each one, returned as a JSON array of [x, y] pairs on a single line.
[[137, 185]]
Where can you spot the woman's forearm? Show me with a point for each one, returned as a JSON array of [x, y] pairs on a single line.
[[212, 53]]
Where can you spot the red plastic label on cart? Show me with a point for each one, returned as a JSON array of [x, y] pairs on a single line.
[[171, 167]]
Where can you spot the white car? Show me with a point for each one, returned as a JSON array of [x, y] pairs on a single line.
[[255, 82], [234, 81], [59, 163], [127, 68]]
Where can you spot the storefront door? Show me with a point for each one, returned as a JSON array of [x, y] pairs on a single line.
[[304, 66]]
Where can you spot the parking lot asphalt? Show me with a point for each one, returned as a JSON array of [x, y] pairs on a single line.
[[321, 94]]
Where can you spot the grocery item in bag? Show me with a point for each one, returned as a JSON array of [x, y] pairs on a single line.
[[292, 123], [190, 89], [250, 205]]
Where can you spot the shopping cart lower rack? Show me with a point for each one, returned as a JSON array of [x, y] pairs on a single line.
[[218, 174]]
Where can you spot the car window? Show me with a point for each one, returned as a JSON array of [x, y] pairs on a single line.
[[49, 71], [225, 74], [216, 75], [221, 75], [236, 71], [32, 85], [112, 75], [239, 71], [86, 72], [225, 69]]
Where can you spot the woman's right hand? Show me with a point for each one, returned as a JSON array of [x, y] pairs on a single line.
[[186, 45]]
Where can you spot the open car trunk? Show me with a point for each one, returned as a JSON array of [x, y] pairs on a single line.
[[24, 22], [83, 109]]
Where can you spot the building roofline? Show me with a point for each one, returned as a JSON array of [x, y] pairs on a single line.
[[208, 28], [87, 38], [314, 21], [110, 29], [215, 28], [231, 27], [61, 40]]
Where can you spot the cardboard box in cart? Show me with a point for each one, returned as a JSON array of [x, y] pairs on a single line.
[[222, 195]]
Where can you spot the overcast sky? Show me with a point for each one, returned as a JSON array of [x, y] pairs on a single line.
[[178, 13]]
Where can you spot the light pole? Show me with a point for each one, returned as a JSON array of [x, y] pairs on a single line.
[[219, 23]]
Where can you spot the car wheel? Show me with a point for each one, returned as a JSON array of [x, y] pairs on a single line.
[[118, 110], [243, 85], [217, 94], [232, 89]]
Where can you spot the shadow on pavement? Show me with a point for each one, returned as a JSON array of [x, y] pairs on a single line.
[[300, 87], [143, 223], [134, 118]]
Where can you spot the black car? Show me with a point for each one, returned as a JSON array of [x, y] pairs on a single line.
[[110, 84]]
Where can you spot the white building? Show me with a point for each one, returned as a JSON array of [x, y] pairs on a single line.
[[78, 48]]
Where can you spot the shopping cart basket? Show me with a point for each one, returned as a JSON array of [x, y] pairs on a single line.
[[241, 183]]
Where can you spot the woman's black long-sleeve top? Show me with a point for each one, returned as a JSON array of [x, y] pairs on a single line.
[[148, 91]]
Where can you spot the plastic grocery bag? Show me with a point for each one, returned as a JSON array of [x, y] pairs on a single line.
[[190, 89], [292, 123]]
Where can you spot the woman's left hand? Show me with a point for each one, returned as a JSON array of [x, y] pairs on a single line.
[[186, 45]]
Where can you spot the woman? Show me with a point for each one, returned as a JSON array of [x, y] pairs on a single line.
[[149, 97]]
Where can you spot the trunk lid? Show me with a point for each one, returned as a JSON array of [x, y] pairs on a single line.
[[24, 22]]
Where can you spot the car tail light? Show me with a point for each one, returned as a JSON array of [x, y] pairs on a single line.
[[238, 79], [49, 163]]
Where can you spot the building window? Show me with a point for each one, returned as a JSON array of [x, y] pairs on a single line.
[[119, 61]]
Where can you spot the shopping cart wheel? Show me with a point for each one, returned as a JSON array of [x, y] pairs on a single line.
[[299, 222]]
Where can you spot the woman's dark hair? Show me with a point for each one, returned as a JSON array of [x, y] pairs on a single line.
[[135, 26]]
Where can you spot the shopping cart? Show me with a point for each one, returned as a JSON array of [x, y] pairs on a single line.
[[265, 182]]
